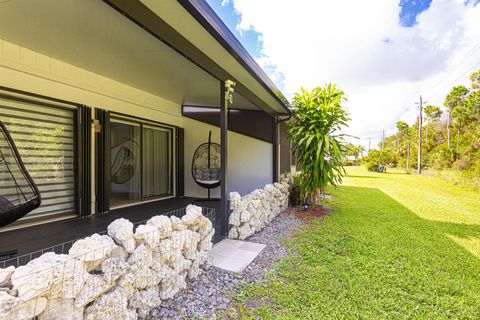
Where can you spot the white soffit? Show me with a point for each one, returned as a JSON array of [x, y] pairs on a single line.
[[180, 19], [93, 36]]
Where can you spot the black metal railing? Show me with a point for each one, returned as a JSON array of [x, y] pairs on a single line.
[[63, 248]]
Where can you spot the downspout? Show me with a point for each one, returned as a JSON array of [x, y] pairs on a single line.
[[276, 141]]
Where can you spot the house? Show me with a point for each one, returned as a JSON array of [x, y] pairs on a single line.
[[107, 102]]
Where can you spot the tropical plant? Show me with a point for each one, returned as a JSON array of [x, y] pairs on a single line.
[[314, 129]]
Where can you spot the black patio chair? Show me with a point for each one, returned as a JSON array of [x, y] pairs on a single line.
[[19, 195]]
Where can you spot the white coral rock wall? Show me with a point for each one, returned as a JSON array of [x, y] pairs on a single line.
[[251, 213], [120, 276]]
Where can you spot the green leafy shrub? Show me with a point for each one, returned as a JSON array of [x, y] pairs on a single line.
[[314, 129], [377, 158], [442, 157]]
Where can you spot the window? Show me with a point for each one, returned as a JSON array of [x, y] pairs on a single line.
[[45, 138], [141, 165]]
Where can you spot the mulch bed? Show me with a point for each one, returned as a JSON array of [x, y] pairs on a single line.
[[316, 213]]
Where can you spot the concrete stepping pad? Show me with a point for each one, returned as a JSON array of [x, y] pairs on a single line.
[[235, 255]]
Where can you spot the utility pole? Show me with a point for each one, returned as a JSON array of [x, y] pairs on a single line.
[[383, 140], [369, 141], [408, 157], [420, 125]]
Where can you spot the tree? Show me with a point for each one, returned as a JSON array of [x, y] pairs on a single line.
[[377, 158], [432, 113], [453, 99], [402, 131], [314, 129], [354, 151], [463, 108], [475, 78], [359, 151]]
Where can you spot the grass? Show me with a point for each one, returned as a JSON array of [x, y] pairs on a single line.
[[456, 177], [396, 247]]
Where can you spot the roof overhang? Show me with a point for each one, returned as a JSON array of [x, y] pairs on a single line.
[[159, 47], [193, 29], [206, 16]]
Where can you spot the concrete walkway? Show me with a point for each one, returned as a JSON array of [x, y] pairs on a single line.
[[234, 255]]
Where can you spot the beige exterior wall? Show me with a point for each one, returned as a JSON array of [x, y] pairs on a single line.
[[24, 69], [30, 71], [249, 160]]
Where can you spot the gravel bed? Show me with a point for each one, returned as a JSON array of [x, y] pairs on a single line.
[[213, 290]]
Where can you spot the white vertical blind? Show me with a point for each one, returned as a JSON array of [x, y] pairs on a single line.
[[45, 138], [157, 166]]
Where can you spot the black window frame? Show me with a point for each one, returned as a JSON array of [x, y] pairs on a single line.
[[105, 117], [82, 147]]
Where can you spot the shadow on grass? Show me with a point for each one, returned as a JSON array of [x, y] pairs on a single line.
[[378, 211], [363, 177], [374, 258], [397, 173]]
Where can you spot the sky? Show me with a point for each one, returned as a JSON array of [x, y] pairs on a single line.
[[383, 53]]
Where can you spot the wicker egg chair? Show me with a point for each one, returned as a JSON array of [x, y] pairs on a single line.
[[206, 165], [122, 169]]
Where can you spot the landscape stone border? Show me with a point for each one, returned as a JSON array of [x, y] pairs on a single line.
[[122, 275], [252, 212]]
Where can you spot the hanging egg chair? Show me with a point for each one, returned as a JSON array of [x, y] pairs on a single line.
[[18, 193], [122, 169], [206, 165]]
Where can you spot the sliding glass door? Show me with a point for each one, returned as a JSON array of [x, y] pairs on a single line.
[[141, 165], [157, 174]]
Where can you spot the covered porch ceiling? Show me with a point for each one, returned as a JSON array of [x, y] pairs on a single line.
[[92, 35]]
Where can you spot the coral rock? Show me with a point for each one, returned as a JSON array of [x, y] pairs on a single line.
[[114, 268], [40, 275], [177, 224], [94, 287], [6, 276], [111, 306], [120, 230], [93, 250], [164, 225], [141, 257], [148, 234], [16, 309], [61, 309]]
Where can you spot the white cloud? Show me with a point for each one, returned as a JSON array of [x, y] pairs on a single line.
[[361, 46]]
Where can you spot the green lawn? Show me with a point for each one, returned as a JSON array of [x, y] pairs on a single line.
[[397, 247]]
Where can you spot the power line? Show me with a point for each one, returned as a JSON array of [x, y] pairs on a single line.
[[456, 65], [436, 95], [474, 49]]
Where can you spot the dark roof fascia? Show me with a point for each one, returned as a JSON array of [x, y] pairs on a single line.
[[207, 17], [145, 18], [252, 123]]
